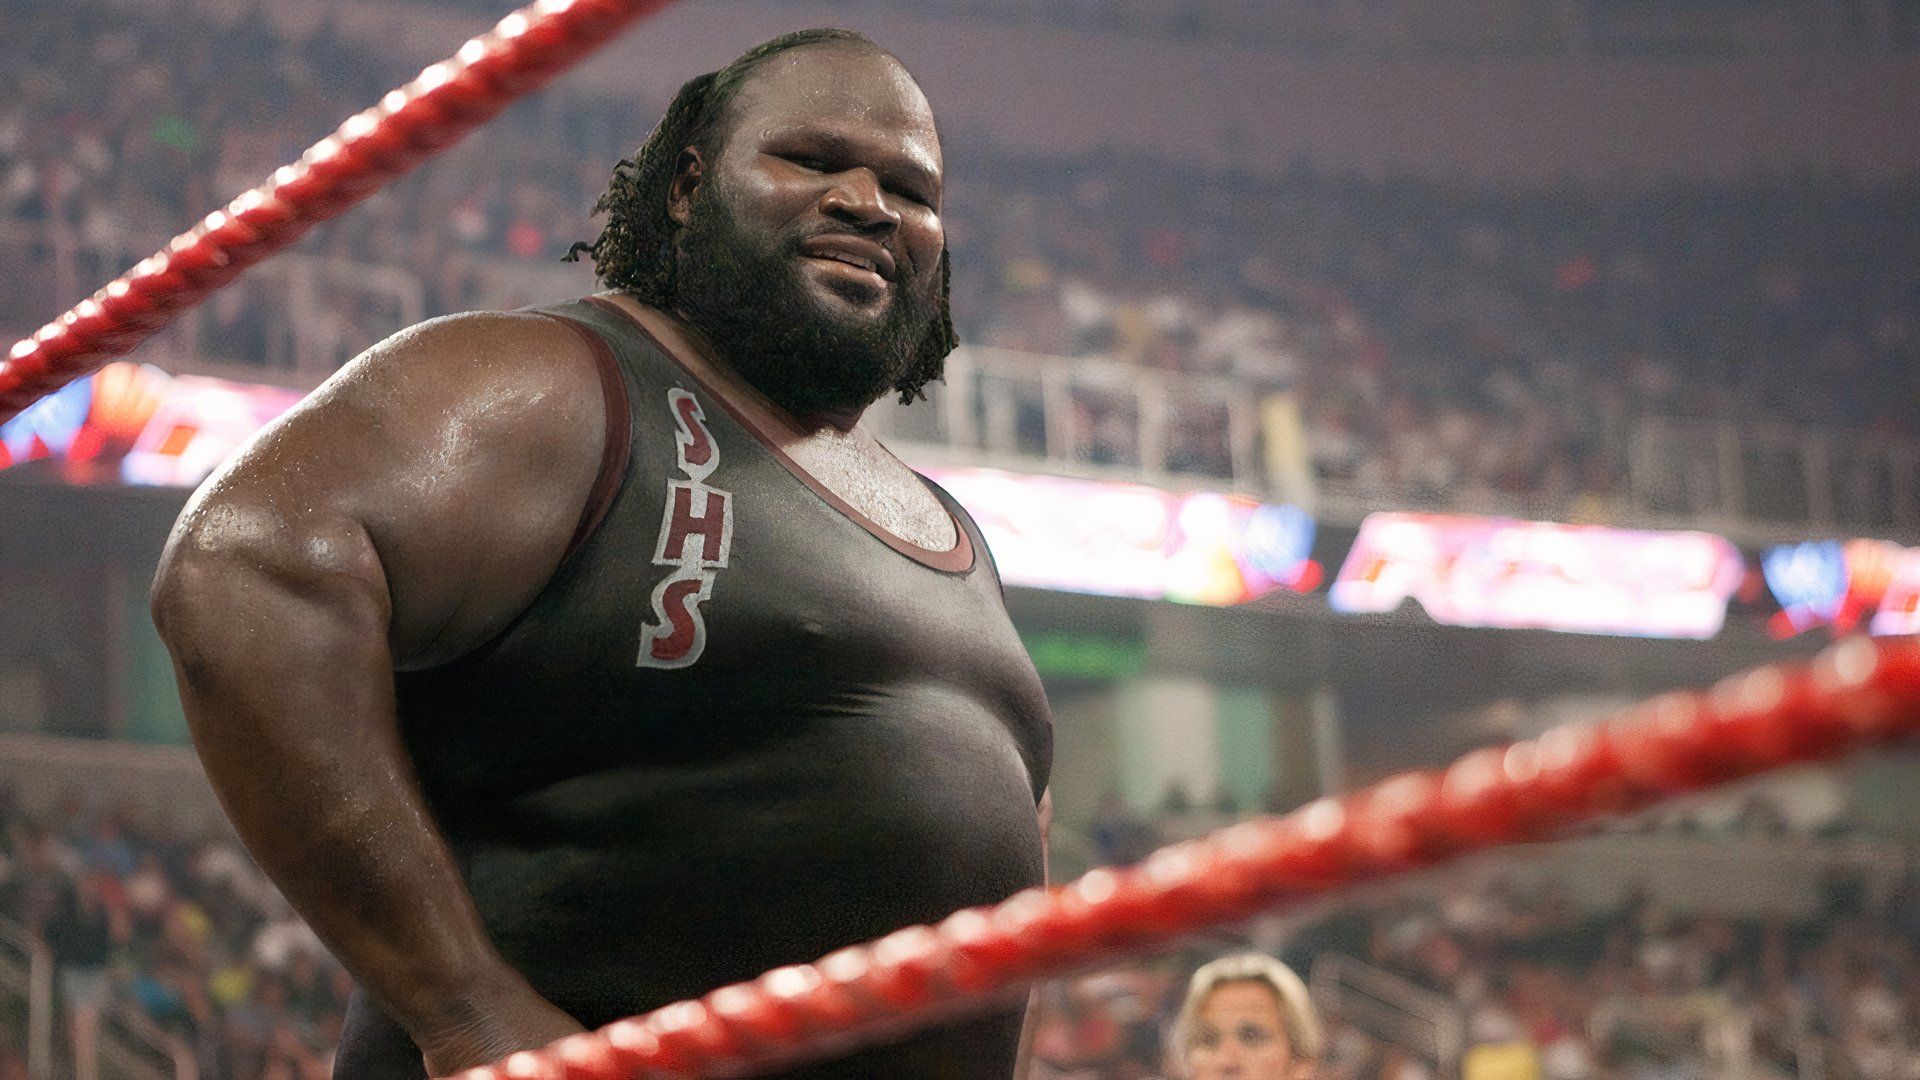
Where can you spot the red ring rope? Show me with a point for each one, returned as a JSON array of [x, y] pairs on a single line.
[[409, 125], [1856, 694]]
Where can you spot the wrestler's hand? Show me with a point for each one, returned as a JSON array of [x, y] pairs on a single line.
[[488, 1030]]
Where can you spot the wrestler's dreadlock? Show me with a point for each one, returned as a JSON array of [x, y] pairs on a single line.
[[635, 250]]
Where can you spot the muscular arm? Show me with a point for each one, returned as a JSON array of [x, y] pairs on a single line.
[[401, 515]]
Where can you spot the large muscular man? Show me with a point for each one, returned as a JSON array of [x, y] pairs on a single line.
[[560, 664]]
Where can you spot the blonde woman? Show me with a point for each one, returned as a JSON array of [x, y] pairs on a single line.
[[1246, 1017]]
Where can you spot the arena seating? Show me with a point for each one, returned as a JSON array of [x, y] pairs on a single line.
[[1553, 353]]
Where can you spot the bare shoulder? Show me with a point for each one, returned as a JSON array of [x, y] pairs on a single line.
[[456, 454], [467, 398], [504, 375]]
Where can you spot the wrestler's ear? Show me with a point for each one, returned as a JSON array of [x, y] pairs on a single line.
[[689, 169]]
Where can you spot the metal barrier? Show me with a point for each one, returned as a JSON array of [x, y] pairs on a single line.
[[134, 1047], [1088, 414], [128, 1046], [296, 319], [1391, 1009], [1104, 418], [26, 983]]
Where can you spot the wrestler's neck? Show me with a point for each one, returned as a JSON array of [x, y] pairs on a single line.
[[694, 350]]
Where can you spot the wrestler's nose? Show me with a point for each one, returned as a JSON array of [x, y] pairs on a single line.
[[857, 198]]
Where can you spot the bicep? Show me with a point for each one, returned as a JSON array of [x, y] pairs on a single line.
[[444, 468]]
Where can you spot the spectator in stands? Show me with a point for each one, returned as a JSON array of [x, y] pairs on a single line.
[[90, 921], [1119, 834], [1247, 1016]]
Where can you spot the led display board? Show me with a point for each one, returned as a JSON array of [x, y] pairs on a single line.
[[1845, 585], [1119, 539], [140, 425], [1900, 606], [49, 428], [1500, 572]]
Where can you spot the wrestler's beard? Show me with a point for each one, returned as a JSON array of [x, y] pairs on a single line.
[[747, 296]]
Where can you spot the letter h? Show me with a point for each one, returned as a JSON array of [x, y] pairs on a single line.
[[713, 524]]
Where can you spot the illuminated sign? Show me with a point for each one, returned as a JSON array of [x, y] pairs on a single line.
[[49, 428], [1900, 607], [1049, 532], [1081, 656], [1843, 585], [198, 423], [1498, 572], [142, 425]]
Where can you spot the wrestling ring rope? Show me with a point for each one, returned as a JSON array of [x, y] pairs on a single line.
[[440, 106], [1856, 694]]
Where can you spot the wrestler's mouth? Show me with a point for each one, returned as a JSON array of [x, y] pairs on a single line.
[[863, 258], [852, 260]]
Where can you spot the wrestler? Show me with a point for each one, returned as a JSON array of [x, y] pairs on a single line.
[[560, 664]]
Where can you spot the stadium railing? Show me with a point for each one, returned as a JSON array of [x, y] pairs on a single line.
[[1095, 416], [26, 988], [1391, 1009]]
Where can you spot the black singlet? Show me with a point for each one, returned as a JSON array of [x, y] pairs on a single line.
[[741, 727]]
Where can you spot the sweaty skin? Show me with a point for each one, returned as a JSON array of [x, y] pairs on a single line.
[[842, 137], [410, 508], [360, 533]]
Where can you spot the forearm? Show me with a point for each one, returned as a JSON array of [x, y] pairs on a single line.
[[288, 689]]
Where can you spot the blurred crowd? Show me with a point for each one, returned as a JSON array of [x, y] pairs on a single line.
[[1537, 988], [158, 930], [181, 113], [1498, 27], [157, 925], [1442, 343], [1430, 344]]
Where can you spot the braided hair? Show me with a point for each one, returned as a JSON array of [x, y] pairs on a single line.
[[635, 249]]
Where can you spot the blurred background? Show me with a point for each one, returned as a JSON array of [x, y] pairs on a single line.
[[1345, 384]]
